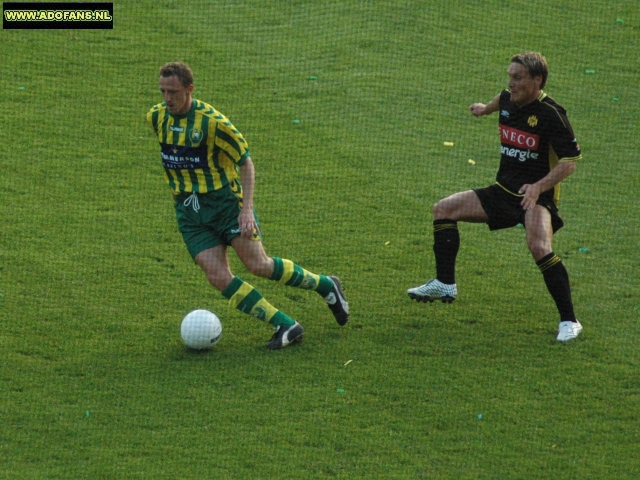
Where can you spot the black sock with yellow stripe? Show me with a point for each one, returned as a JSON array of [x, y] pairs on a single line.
[[557, 280], [248, 300], [446, 243], [288, 273]]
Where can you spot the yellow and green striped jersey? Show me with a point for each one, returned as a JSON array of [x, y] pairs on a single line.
[[201, 150]]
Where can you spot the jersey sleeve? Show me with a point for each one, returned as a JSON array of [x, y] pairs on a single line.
[[152, 117], [561, 137], [231, 141]]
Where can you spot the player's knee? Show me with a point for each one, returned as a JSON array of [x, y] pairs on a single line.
[[218, 278], [440, 210], [539, 249]]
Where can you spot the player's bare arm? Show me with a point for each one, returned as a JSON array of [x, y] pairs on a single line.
[[556, 175], [246, 219], [479, 109]]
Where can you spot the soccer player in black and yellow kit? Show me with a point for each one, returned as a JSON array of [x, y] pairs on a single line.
[[211, 174], [539, 150]]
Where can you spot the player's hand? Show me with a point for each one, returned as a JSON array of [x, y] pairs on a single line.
[[531, 194], [477, 109], [247, 223]]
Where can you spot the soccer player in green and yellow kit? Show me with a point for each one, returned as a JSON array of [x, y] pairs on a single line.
[[211, 174]]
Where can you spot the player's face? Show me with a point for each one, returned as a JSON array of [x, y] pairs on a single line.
[[523, 87], [176, 96]]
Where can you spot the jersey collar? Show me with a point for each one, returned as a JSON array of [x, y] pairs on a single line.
[[193, 105]]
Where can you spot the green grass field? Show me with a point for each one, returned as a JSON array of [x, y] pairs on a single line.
[[94, 278]]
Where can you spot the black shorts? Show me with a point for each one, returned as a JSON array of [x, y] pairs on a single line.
[[504, 209]]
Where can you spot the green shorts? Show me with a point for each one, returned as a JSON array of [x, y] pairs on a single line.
[[209, 219]]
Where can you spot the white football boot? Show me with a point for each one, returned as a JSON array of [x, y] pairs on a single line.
[[434, 289], [568, 330]]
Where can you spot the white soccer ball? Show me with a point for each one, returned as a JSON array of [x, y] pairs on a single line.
[[201, 329]]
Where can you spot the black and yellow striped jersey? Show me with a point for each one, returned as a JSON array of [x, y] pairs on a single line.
[[201, 150]]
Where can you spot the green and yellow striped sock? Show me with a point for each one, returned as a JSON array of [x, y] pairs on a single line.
[[247, 299], [288, 273]]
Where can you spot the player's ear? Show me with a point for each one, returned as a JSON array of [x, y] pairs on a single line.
[[190, 88], [538, 80]]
